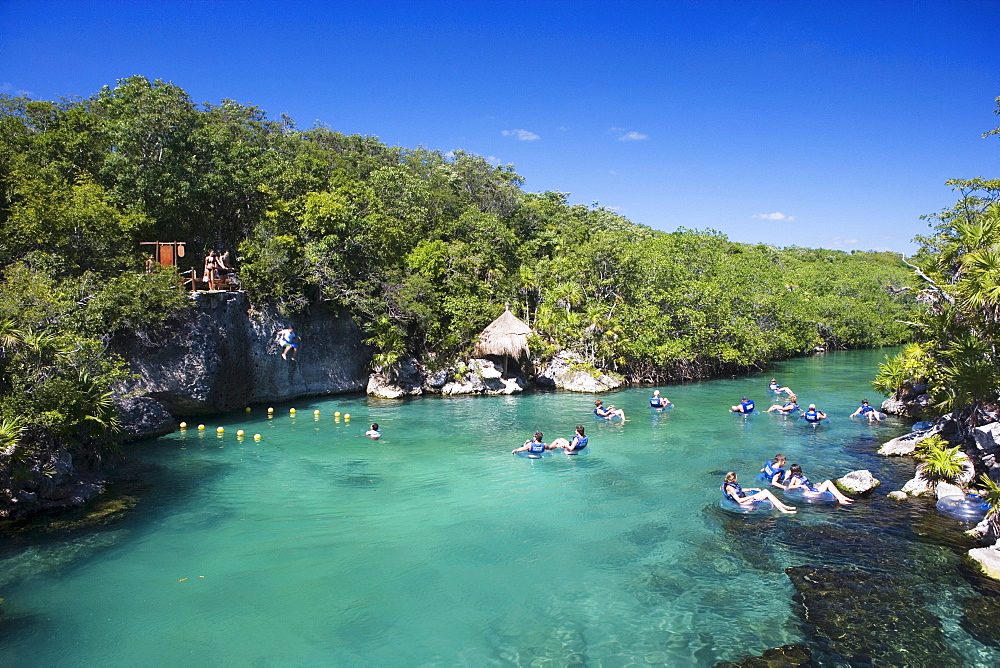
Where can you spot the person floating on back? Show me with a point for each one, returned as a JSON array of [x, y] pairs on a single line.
[[609, 412], [287, 340]]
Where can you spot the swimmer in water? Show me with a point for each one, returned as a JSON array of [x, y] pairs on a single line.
[[656, 401], [786, 408], [774, 470], [609, 412], [746, 497], [572, 446], [534, 447], [864, 410], [813, 416], [796, 480], [374, 432], [745, 406], [775, 386]]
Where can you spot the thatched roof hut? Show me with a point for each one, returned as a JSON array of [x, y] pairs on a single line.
[[506, 336]]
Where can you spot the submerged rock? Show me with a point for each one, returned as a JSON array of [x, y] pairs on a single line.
[[786, 656], [865, 618], [857, 483], [979, 618], [898, 495]]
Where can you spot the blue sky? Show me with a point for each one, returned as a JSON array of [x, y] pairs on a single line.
[[824, 124]]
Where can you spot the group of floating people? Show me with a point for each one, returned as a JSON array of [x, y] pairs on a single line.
[[811, 415], [791, 480]]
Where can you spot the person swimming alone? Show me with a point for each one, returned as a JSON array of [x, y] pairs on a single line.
[[656, 401], [609, 412], [732, 490]]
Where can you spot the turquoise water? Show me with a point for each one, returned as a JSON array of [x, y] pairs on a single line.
[[435, 546]]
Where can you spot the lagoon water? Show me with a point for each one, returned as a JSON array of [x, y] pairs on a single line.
[[435, 546]]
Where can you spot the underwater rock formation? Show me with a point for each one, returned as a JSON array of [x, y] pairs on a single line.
[[979, 618], [864, 618], [786, 656]]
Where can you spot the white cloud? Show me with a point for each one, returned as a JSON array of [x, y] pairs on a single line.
[[522, 135], [633, 136], [562, 128], [7, 88], [777, 215]]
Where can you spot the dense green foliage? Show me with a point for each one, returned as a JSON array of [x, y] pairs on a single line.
[[958, 328], [424, 249]]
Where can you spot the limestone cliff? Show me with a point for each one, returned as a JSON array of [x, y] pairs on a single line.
[[221, 356]]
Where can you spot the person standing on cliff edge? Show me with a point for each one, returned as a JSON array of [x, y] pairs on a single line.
[[287, 339]]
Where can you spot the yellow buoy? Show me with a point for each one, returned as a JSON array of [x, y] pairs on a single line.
[[347, 416], [201, 427], [316, 412], [221, 430], [270, 410], [337, 414], [247, 409], [239, 433], [184, 425], [256, 437], [292, 411]]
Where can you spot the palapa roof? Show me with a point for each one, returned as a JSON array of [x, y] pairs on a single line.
[[506, 335]]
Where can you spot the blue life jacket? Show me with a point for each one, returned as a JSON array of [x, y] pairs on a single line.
[[811, 416], [804, 481], [736, 489], [774, 386], [657, 402], [747, 406], [866, 409], [606, 414], [536, 448], [578, 442], [770, 471], [794, 406]]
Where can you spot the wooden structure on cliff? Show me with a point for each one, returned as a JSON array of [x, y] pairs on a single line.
[[507, 336]]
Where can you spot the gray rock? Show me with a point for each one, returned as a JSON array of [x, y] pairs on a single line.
[[143, 417], [988, 529], [922, 485], [987, 438], [858, 483], [221, 356], [400, 380], [569, 371], [947, 489], [481, 376], [897, 495], [988, 561], [906, 444]]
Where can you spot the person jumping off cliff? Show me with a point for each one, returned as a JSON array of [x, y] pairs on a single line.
[[286, 339]]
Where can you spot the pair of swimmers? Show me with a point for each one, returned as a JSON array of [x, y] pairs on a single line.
[[536, 446], [793, 478], [812, 415]]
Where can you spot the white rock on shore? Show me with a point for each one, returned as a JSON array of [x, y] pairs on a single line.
[[988, 559]]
